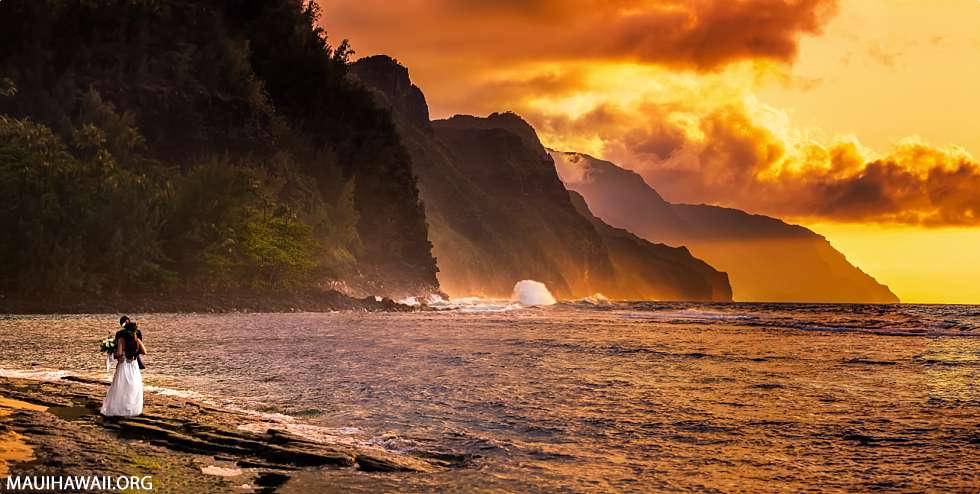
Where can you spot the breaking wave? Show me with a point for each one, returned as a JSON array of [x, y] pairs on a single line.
[[530, 292]]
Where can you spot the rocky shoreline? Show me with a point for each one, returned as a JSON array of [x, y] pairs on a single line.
[[54, 428], [223, 301]]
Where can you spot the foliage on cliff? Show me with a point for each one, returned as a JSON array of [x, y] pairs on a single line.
[[171, 143]]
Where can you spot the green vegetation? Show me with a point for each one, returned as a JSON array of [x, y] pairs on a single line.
[[172, 144]]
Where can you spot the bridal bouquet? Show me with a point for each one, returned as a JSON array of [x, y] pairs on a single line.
[[108, 347]]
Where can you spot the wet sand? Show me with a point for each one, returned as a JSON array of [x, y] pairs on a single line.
[[13, 448]]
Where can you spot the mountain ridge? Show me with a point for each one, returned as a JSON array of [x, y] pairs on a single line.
[[499, 213], [767, 259]]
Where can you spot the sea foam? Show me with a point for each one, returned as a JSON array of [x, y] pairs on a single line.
[[530, 292]]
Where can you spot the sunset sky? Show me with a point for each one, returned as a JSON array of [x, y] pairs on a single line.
[[853, 117]]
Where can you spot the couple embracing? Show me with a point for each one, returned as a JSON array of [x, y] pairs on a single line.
[[125, 396]]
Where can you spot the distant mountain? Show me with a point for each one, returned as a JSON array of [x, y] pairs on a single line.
[[498, 212], [643, 267], [766, 259]]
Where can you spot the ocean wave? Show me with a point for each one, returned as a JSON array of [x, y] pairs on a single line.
[[349, 436], [476, 305], [462, 304], [315, 433], [37, 375], [59, 374], [526, 293], [691, 314], [431, 299], [532, 293], [176, 393], [596, 299], [890, 321]]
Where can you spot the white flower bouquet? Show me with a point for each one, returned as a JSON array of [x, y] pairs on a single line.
[[107, 345]]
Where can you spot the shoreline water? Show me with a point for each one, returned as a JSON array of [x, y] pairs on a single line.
[[570, 397], [197, 302], [53, 428]]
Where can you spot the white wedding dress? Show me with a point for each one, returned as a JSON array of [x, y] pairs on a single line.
[[125, 396]]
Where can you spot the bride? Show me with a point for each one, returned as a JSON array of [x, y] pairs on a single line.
[[125, 396]]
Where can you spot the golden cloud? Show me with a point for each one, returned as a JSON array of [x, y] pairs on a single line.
[[664, 87], [694, 34], [728, 157]]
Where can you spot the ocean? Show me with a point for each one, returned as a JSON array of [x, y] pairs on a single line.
[[587, 396]]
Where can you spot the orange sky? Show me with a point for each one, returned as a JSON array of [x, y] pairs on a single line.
[[854, 117]]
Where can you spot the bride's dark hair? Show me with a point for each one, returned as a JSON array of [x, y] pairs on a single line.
[[129, 333]]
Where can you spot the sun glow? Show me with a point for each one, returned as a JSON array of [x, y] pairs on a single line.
[[931, 266]]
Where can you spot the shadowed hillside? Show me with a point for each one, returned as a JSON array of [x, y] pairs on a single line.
[[766, 259], [176, 145], [641, 266]]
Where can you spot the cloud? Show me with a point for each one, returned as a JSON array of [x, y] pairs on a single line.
[[664, 87], [728, 157], [916, 184], [690, 34]]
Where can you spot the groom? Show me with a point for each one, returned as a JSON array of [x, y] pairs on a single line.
[[139, 334]]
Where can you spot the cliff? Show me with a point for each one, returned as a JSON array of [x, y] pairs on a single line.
[[658, 271], [224, 136], [498, 212], [766, 259]]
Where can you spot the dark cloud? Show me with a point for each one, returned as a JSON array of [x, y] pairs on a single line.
[[894, 190], [709, 34], [696, 34]]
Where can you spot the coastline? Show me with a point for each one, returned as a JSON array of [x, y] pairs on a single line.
[[53, 428], [197, 301]]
